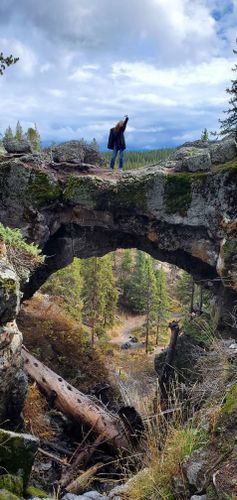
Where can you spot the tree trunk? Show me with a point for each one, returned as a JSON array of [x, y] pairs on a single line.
[[192, 297], [75, 404], [167, 370], [201, 299], [157, 331]]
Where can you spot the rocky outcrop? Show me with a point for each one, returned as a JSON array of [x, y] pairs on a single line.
[[201, 155], [77, 152], [187, 219], [17, 146]]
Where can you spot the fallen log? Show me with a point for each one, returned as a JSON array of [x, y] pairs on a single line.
[[75, 404]]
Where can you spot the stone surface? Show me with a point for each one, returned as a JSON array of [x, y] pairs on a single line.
[[77, 152], [7, 495], [9, 292], [90, 495], [17, 453], [14, 146], [13, 382], [198, 497], [195, 467], [192, 159], [185, 219]]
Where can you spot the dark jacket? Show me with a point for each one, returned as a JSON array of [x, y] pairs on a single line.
[[117, 138]]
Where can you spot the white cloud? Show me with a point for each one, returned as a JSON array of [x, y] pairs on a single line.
[[164, 62]]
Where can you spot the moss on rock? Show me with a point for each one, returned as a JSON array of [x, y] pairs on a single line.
[[42, 188], [12, 483], [17, 453], [31, 491], [7, 495], [178, 193], [230, 404]]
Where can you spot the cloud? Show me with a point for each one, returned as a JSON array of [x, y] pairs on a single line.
[[164, 62]]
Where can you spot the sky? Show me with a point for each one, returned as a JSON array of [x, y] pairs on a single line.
[[84, 64]]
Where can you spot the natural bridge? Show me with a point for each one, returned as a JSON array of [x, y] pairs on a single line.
[[187, 218], [184, 218]]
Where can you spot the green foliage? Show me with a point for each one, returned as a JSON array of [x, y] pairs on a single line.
[[178, 194], [163, 301], [99, 294], [6, 61], [138, 159], [19, 135], [14, 238], [67, 283], [229, 124], [184, 288], [8, 134], [33, 137], [205, 135]]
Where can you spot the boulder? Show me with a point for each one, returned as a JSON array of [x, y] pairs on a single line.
[[77, 152], [17, 453], [191, 159], [9, 292], [223, 151], [195, 467], [17, 146], [13, 382]]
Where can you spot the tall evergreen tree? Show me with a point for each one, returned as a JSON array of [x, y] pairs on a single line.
[[205, 135], [229, 124], [150, 297], [162, 301], [125, 273], [8, 134], [110, 292], [19, 135], [33, 137], [93, 295], [135, 291], [67, 283]]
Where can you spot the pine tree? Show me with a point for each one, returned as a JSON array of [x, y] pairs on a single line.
[[93, 295], [205, 135], [162, 301], [135, 292], [150, 296], [8, 134], [94, 144], [67, 283], [229, 124], [19, 135], [110, 292], [5, 62], [125, 273], [33, 137]]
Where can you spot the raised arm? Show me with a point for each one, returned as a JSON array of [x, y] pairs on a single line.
[[125, 123]]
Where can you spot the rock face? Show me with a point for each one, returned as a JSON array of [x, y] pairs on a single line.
[[17, 146], [187, 218], [186, 354], [77, 152], [18, 453], [201, 155]]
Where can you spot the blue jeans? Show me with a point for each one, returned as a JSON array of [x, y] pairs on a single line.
[[121, 157]]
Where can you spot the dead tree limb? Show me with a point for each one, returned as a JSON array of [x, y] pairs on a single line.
[[167, 370], [75, 404]]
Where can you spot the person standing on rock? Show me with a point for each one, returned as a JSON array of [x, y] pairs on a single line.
[[116, 142]]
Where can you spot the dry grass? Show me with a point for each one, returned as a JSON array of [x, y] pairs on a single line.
[[61, 343], [35, 415]]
